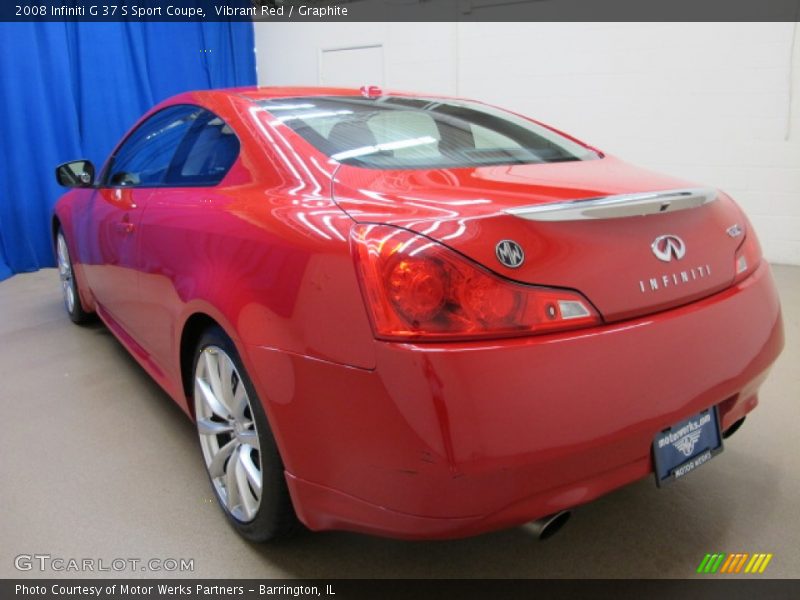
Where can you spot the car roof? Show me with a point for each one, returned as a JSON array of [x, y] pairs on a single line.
[[256, 93], [267, 93]]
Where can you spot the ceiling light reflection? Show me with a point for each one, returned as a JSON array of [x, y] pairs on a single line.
[[385, 147]]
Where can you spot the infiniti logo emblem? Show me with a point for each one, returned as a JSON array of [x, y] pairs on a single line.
[[667, 247], [509, 253]]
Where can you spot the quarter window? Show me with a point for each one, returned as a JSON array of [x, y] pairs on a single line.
[[206, 154]]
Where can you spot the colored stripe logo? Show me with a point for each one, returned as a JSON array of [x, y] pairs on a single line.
[[738, 562]]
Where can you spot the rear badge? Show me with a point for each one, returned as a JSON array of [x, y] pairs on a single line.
[[509, 253], [653, 284], [667, 247]]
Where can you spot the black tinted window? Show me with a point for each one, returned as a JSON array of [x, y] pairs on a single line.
[[144, 158], [206, 154], [393, 132]]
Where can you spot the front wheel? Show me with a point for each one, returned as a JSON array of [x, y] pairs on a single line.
[[238, 447], [69, 285]]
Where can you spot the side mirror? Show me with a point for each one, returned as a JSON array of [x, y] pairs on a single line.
[[75, 174]]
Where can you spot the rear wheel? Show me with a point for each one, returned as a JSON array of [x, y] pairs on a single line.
[[238, 447], [69, 285]]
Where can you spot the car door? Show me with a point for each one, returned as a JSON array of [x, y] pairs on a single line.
[[136, 169], [110, 271], [176, 239]]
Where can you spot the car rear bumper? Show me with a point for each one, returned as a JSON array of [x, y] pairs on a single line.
[[449, 440]]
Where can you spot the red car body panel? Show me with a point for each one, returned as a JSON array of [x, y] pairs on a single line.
[[420, 440], [463, 209]]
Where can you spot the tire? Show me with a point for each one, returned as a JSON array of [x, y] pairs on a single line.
[[69, 284], [237, 444]]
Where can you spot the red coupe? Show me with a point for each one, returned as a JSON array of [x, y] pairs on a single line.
[[414, 316]]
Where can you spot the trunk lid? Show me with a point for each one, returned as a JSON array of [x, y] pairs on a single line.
[[612, 261]]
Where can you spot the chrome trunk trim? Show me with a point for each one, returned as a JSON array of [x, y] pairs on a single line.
[[617, 206]]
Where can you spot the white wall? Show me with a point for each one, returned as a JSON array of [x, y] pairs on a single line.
[[715, 103]]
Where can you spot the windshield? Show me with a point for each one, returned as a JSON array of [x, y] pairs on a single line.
[[393, 132]]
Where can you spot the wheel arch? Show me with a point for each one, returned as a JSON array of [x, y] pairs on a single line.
[[63, 222], [200, 317], [55, 225], [61, 217], [193, 328]]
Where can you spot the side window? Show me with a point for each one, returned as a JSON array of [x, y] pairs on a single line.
[[206, 154], [143, 159]]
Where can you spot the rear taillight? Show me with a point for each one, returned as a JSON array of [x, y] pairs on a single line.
[[418, 289]]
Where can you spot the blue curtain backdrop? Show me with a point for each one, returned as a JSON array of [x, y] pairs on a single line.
[[71, 90]]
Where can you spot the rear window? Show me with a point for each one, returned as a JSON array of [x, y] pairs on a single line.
[[394, 132]]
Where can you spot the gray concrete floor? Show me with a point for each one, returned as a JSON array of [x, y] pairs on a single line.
[[97, 462]]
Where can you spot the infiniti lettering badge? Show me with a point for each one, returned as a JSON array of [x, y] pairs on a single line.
[[509, 253], [667, 247]]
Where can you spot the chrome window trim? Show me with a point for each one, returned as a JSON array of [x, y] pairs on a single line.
[[617, 206]]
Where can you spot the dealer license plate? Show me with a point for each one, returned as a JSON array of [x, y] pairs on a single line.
[[682, 448]]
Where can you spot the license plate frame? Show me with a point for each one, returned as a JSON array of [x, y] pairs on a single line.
[[700, 435]]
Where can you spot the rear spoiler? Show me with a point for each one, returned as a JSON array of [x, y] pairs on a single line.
[[617, 206]]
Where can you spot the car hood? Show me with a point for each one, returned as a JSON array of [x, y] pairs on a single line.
[[610, 260]]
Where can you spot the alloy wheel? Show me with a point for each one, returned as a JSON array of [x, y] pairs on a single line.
[[228, 435], [65, 273]]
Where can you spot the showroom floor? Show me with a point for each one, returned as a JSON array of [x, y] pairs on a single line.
[[97, 462]]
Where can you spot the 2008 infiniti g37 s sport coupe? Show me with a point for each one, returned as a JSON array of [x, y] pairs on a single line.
[[412, 316]]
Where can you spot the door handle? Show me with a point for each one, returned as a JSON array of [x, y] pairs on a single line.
[[125, 228]]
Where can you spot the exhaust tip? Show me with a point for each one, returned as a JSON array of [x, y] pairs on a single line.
[[548, 526], [733, 428]]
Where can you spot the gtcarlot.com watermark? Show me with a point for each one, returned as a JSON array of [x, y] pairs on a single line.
[[58, 564]]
